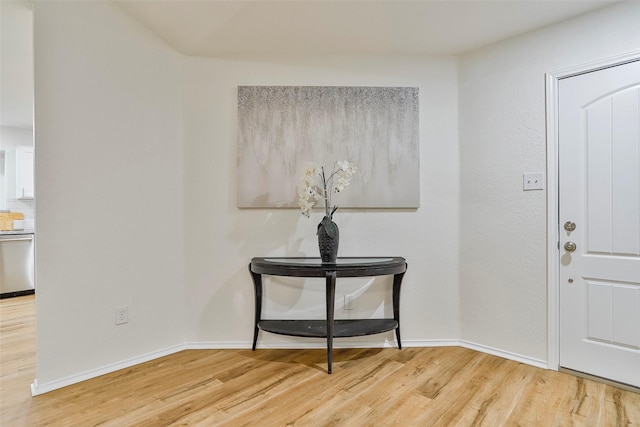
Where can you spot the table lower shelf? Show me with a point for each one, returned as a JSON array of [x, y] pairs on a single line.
[[318, 328]]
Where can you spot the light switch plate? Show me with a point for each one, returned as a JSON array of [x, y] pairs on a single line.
[[533, 181]]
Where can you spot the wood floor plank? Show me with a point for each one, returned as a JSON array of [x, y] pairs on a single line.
[[442, 386], [497, 406]]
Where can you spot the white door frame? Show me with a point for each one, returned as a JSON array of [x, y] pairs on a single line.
[[553, 237]]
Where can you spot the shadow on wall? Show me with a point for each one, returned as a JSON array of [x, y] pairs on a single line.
[[264, 232], [257, 232]]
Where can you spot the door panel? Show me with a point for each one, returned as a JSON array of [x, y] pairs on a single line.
[[613, 311], [599, 187]]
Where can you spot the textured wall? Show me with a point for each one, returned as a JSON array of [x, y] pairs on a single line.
[[109, 184], [502, 135], [221, 239]]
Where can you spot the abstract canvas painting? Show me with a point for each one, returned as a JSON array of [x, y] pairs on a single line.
[[281, 128]]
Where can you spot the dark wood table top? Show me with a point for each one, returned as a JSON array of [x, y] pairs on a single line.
[[314, 267]]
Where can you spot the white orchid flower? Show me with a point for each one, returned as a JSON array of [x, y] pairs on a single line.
[[309, 193]]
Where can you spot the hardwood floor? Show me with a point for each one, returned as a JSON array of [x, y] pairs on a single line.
[[446, 386]]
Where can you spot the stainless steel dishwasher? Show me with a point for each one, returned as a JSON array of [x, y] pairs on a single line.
[[16, 264]]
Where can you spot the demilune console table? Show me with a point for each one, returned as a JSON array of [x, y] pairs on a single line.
[[328, 328]]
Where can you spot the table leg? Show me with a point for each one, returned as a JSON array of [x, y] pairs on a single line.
[[257, 287], [397, 282], [331, 297]]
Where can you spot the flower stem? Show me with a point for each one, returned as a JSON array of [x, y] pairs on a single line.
[[326, 195]]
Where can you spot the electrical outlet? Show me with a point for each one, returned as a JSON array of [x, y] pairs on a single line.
[[122, 315], [533, 181], [348, 301]]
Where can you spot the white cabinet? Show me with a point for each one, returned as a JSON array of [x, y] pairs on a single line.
[[24, 172]]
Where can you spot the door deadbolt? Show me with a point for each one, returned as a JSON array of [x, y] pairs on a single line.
[[570, 246], [569, 225]]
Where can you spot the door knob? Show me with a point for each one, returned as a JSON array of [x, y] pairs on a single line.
[[570, 246], [569, 225]]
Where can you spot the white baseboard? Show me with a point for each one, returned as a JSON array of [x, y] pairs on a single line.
[[504, 354], [431, 343], [37, 388]]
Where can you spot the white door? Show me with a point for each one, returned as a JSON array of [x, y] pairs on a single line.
[[599, 187]]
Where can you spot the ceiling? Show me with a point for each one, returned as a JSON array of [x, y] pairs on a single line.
[[444, 27], [233, 27]]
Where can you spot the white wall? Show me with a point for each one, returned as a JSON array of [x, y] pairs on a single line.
[[136, 192], [16, 57], [502, 135], [220, 239], [109, 180]]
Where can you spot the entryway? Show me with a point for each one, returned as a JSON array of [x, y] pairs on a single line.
[[597, 126]]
